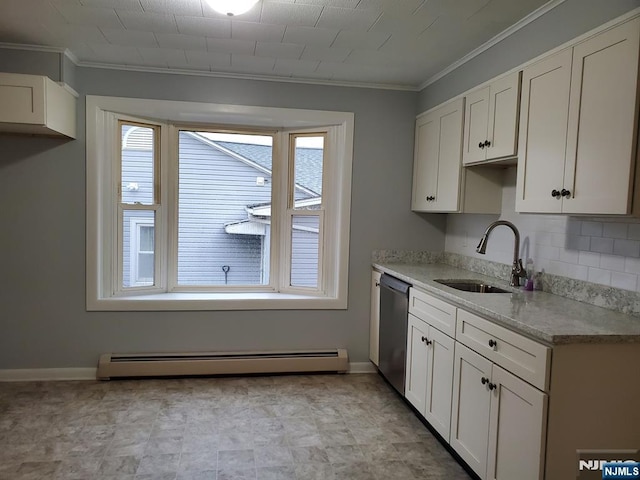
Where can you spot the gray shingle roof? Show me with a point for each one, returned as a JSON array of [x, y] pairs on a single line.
[[308, 162]]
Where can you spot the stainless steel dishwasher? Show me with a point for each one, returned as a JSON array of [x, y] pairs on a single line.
[[394, 310]]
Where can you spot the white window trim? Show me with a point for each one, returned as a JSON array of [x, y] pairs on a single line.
[[100, 259]]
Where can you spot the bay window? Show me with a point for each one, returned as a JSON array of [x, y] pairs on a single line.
[[196, 206]]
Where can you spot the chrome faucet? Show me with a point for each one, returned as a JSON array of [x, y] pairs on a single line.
[[517, 270]]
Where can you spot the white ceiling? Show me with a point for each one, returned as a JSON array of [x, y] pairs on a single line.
[[392, 43]]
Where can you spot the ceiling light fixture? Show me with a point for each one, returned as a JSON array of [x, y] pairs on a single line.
[[232, 7]]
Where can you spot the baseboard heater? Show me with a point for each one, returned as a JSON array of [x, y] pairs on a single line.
[[113, 365]]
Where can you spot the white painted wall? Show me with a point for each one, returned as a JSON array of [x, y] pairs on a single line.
[[599, 250]]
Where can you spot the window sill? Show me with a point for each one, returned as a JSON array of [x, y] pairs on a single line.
[[216, 301]]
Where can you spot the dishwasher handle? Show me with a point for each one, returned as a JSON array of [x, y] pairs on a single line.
[[394, 284]]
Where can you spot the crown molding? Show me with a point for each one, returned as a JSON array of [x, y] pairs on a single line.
[[240, 76], [33, 48], [41, 48], [547, 7], [71, 56]]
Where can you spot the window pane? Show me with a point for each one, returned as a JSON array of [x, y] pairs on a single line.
[[138, 258], [146, 238], [308, 162], [138, 159], [224, 209], [304, 250]]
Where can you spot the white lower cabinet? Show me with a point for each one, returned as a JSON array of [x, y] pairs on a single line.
[[415, 386], [478, 391], [517, 430], [486, 389], [497, 423], [374, 318], [470, 409], [429, 373]]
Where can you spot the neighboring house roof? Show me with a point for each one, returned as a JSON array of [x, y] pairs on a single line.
[[308, 164]]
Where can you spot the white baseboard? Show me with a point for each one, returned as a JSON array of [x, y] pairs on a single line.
[[362, 367], [57, 374], [46, 374]]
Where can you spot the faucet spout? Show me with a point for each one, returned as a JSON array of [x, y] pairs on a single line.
[[517, 270], [482, 246]]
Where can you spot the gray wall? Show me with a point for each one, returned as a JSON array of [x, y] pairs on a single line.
[[43, 321], [32, 63], [565, 22]]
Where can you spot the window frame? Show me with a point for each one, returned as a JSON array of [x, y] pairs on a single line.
[[102, 255], [135, 226]]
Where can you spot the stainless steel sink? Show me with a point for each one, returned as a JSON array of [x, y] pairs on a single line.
[[475, 286]]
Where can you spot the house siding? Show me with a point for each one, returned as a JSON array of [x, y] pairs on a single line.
[[304, 251], [214, 189]]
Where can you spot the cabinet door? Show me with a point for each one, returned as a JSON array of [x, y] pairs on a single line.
[[470, 408], [425, 163], [439, 381], [437, 163], [516, 429], [449, 157], [22, 98], [544, 110], [374, 318], [476, 116], [417, 359], [502, 128], [602, 122]]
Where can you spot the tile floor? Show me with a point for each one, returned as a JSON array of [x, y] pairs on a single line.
[[301, 427]]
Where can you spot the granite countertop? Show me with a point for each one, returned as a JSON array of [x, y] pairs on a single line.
[[542, 316]]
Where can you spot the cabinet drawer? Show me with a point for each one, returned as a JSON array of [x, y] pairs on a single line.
[[523, 357], [434, 311]]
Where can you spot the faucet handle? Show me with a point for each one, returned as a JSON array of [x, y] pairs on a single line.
[[519, 269]]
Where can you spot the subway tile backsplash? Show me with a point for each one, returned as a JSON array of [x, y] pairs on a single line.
[[605, 251]]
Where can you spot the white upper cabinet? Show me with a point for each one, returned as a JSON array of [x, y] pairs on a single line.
[[602, 122], [439, 183], [543, 133], [35, 104], [578, 130], [491, 121], [436, 168]]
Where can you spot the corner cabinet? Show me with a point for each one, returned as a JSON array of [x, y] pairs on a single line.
[[578, 128], [374, 318], [36, 105], [439, 182], [491, 121]]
